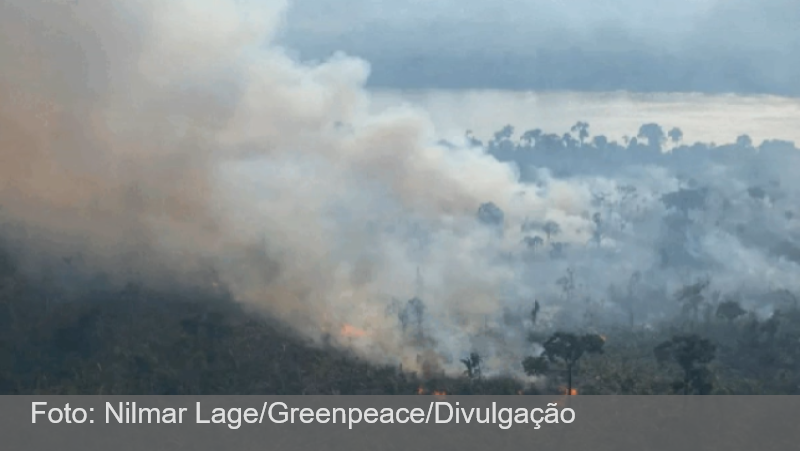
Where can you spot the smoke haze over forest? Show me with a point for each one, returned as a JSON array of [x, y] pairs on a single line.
[[181, 143], [702, 117]]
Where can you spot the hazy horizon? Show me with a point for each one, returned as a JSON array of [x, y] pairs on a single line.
[[718, 118]]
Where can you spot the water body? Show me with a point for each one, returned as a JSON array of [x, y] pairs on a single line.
[[702, 117]]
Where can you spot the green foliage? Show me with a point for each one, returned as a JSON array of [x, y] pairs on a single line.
[[566, 349], [569, 348], [692, 353], [535, 366], [98, 339], [181, 342]]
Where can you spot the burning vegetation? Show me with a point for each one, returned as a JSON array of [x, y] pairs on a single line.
[[349, 331], [439, 393], [140, 340], [125, 268]]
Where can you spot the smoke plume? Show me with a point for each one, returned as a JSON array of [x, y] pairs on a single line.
[[165, 141], [165, 136]]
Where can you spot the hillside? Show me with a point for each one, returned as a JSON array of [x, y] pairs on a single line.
[[191, 341]]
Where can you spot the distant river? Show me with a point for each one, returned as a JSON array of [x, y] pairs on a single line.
[[706, 118]]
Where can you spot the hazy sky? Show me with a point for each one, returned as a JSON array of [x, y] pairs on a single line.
[[744, 46]]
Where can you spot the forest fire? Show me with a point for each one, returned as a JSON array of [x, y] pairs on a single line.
[[349, 331], [441, 393], [571, 392]]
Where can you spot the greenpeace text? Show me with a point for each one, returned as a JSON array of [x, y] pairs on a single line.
[[437, 412]]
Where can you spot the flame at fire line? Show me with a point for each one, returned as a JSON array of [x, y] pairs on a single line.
[[421, 391]]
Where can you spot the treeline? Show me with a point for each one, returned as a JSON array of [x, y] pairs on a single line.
[[577, 151]]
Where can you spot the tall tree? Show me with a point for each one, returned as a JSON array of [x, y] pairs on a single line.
[[744, 141], [692, 354], [551, 228], [530, 137], [581, 129], [654, 135], [692, 298], [566, 349], [675, 135]]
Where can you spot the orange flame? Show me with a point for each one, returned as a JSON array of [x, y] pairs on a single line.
[[420, 390], [572, 392], [350, 331], [439, 393]]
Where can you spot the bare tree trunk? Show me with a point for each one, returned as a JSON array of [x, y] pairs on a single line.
[[569, 380]]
